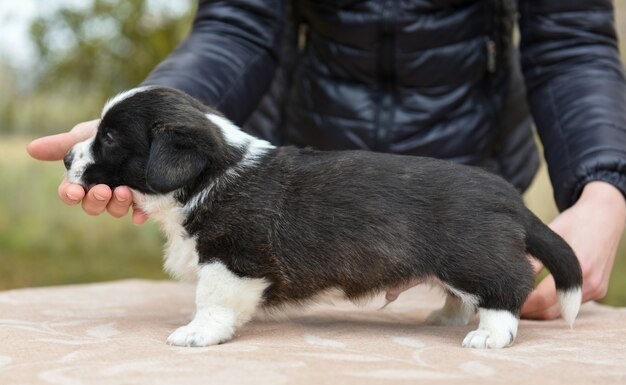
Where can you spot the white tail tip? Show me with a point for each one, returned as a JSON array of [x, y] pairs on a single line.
[[570, 301]]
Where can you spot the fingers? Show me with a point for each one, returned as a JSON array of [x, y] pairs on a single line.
[[70, 194], [550, 313], [139, 216], [97, 199], [120, 202], [101, 198], [55, 147], [84, 130], [594, 289], [542, 303]]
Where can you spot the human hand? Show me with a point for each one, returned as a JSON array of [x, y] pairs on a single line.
[[100, 197], [593, 228]]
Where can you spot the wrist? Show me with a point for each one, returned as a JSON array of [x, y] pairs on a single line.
[[605, 197]]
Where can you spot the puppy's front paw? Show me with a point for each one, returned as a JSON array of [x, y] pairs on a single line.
[[195, 335], [488, 339]]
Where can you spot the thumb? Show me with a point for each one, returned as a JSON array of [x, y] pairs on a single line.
[[139, 216], [55, 147]]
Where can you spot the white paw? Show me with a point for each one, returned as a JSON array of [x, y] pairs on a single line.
[[441, 317], [488, 339], [195, 335]]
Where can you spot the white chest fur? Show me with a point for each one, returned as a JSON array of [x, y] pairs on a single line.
[[181, 258]]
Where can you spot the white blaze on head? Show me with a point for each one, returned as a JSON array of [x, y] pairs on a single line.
[[82, 155], [82, 158], [254, 147], [232, 134], [122, 96]]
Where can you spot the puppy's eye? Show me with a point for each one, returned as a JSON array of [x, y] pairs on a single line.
[[108, 138]]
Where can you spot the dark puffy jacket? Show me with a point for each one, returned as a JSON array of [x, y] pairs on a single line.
[[439, 78]]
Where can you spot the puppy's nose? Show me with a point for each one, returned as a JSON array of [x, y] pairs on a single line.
[[68, 160]]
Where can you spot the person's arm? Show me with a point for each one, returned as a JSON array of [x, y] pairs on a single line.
[[592, 227], [577, 94], [228, 60]]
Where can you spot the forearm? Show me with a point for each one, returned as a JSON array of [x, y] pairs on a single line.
[[576, 91], [608, 203], [229, 58], [605, 195], [593, 227]]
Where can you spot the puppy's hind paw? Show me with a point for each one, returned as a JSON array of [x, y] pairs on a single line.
[[197, 336], [453, 313], [440, 317]]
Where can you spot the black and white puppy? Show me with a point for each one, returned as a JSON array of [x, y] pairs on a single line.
[[258, 226]]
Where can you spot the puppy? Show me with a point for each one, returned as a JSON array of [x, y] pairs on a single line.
[[261, 226]]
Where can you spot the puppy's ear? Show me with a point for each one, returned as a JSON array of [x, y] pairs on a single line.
[[176, 158]]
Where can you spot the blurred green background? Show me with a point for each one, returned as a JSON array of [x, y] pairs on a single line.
[[79, 53]]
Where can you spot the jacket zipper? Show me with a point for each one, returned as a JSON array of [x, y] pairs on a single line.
[[490, 46], [491, 67], [384, 122]]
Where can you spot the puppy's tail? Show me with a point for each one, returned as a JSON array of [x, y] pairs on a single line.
[[548, 247]]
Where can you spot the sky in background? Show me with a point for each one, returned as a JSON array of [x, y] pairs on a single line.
[[16, 16]]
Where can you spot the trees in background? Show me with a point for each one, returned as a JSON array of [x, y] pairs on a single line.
[[85, 55]]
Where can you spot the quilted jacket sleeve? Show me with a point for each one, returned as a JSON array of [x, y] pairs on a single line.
[[229, 58], [576, 91]]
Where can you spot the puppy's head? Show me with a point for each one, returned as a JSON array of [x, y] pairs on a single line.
[[152, 139]]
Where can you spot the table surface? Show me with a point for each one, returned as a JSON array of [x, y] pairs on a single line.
[[115, 332]]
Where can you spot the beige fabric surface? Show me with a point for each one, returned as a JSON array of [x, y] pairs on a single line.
[[114, 333]]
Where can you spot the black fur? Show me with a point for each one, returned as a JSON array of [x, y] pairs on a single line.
[[159, 141], [309, 220]]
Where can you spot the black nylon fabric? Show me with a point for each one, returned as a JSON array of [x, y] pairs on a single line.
[[437, 78]]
